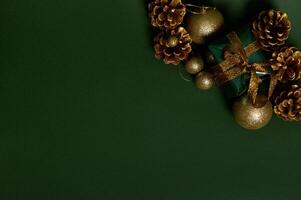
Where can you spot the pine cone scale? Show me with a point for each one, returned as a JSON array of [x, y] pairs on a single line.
[[167, 52]]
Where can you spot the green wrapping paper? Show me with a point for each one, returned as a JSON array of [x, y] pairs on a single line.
[[239, 85]]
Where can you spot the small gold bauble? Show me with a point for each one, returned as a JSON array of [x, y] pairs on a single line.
[[251, 116], [172, 41], [194, 65], [204, 24], [204, 81], [209, 58]]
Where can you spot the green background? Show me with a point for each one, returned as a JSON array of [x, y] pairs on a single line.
[[88, 113]]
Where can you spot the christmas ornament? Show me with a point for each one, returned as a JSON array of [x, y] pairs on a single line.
[[194, 65], [287, 103], [253, 116], [204, 23], [172, 46], [242, 60], [209, 58], [166, 14], [271, 29], [204, 81]]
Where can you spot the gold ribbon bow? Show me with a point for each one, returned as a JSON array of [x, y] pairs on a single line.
[[236, 63]]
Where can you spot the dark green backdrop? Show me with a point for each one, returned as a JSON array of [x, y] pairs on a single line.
[[88, 113]]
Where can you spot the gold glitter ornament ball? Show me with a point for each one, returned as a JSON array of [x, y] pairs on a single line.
[[204, 80], [194, 65], [204, 23], [251, 116]]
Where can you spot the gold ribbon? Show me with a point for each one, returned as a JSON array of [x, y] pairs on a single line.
[[236, 64]]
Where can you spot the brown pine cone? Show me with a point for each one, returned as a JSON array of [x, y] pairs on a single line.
[[271, 29], [166, 14], [288, 64], [173, 46], [287, 105]]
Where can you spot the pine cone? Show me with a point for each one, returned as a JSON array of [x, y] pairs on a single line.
[[173, 46], [271, 29], [287, 105], [166, 14], [288, 63]]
